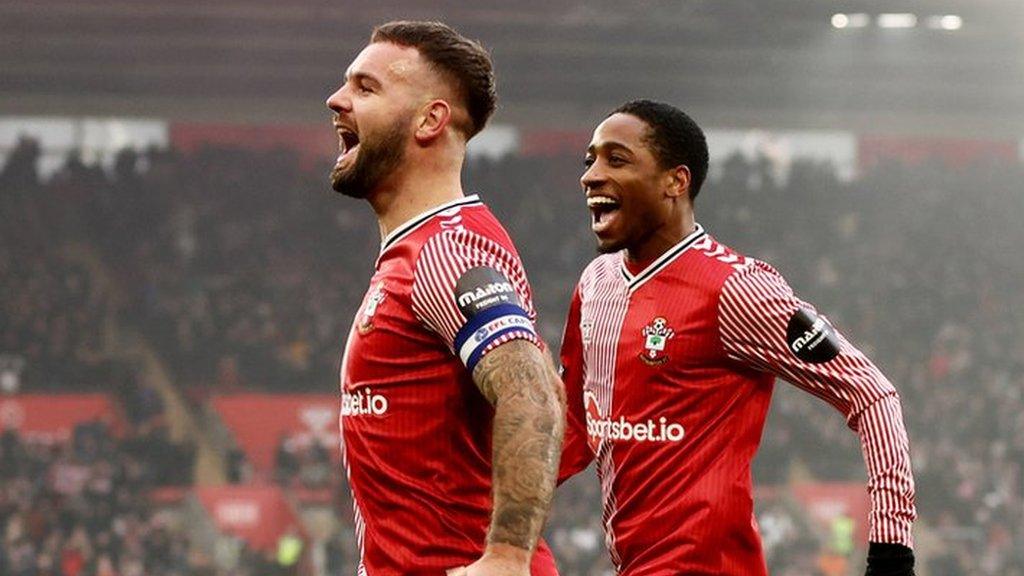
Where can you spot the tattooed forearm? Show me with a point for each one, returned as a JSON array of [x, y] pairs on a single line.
[[529, 421]]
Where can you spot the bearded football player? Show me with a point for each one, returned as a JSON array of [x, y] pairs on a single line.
[[451, 416]]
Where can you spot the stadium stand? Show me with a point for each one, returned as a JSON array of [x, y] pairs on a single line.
[[243, 271]]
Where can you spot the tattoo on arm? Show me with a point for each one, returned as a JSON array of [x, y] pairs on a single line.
[[529, 421]]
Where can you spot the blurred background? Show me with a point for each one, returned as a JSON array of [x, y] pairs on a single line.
[[178, 278]]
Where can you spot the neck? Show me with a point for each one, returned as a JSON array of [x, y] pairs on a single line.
[[662, 239], [410, 194]]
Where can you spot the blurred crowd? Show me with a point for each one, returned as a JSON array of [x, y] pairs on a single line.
[[918, 265], [51, 315], [244, 271], [82, 508]]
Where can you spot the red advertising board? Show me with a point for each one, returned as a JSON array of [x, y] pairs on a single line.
[[52, 417], [256, 514], [259, 423]]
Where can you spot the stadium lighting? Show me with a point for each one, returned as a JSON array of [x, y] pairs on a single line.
[[947, 22], [897, 20], [859, 20], [856, 20]]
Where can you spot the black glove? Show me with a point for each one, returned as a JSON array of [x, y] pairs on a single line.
[[890, 560]]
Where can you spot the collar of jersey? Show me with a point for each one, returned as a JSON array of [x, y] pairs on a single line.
[[634, 282], [411, 225]]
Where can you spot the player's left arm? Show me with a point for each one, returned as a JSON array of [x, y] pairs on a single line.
[[765, 326], [473, 293], [519, 380]]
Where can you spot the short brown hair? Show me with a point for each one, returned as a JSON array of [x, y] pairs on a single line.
[[464, 61]]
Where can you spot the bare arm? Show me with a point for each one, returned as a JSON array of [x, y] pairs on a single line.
[[529, 421]]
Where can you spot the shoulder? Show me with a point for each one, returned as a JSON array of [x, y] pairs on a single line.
[[465, 246], [720, 259], [757, 290], [469, 231], [757, 277], [473, 261], [728, 272]]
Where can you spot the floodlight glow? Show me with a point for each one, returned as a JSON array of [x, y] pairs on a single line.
[[840, 20], [897, 20], [947, 22], [951, 22], [859, 20]]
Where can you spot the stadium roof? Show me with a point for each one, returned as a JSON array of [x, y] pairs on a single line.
[[560, 63]]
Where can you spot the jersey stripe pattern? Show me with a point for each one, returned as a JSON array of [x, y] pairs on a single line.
[[669, 373], [443, 260], [609, 310], [755, 306], [416, 431]]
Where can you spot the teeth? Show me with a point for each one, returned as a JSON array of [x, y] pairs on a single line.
[[601, 201]]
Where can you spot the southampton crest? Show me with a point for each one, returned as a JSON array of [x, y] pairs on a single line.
[[377, 295], [655, 335]]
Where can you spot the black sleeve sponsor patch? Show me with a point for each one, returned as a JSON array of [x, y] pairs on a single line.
[[481, 288], [810, 338]]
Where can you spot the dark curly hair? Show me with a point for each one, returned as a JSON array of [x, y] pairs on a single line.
[[673, 137]]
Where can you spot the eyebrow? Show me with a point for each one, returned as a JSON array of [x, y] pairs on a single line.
[[610, 146], [356, 76]]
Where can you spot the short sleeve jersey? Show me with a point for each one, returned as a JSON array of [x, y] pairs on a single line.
[[448, 288]]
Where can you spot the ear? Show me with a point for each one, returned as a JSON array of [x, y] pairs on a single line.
[[678, 182], [434, 117]]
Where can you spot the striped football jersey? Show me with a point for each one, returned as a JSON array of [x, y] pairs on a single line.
[[448, 288], [669, 372]]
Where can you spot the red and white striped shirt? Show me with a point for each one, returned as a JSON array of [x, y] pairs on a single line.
[[416, 433], [669, 372]]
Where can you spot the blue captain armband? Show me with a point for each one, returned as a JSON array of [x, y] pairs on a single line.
[[490, 326], [493, 313]]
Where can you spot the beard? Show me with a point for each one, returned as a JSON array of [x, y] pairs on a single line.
[[375, 160]]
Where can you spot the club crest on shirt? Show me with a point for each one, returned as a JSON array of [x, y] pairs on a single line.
[[656, 334], [376, 296]]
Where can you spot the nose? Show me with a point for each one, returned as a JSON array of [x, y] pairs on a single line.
[[339, 101], [592, 178]]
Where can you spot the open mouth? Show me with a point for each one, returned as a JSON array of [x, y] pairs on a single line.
[[348, 141], [603, 209]]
